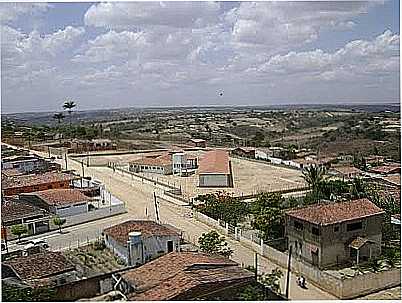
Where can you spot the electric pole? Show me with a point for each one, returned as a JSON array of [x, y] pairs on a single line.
[[288, 273]]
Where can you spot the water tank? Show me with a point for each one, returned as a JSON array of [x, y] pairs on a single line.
[[134, 237]]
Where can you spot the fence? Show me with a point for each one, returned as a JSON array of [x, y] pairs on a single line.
[[341, 288]]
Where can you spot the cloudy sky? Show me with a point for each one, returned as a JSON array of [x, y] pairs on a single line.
[[121, 54]]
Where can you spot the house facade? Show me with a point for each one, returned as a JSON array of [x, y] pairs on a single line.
[[246, 152], [335, 233], [198, 143], [215, 170], [159, 164], [136, 242], [184, 164]]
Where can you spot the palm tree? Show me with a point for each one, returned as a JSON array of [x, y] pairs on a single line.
[[69, 106], [314, 175], [59, 117]]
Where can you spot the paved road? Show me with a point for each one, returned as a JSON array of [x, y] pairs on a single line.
[[139, 201]]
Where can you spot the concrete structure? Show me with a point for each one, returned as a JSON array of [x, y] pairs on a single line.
[[198, 142], [136, 242], [247, 152], [159, 164], [80, 146], [215, 170], [39, 269], [15, 185], [184, 164], [61, 202], [386, 169], [15, 211], [185, 276], [335, 233], [28, 164]]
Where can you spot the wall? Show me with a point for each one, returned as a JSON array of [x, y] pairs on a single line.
[[212, 180], [118, 249], [73, 209]]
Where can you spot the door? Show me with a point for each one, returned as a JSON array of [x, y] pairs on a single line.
[[314, 257], [169, 246]]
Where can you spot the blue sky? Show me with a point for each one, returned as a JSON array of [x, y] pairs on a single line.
[[121, 54]]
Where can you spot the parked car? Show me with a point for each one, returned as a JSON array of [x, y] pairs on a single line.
[[37, 242]]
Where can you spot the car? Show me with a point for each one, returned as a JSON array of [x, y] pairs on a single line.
[[37, 242]]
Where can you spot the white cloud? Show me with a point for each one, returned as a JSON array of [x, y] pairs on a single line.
[[12, 11]]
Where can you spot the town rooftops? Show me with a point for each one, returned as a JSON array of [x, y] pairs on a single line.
[[331, 213], [120, 232], [14, 209], [36, 179], [215, 162], [59, 196], [345, 170], [386, 169], [178, 275], [160, 160], [40, 265]]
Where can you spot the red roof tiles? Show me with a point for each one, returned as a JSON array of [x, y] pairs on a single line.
[[120, 232], [386, 169], [60, 196], [14, 209], [161, 160], [215, 162], [36, 179], [176, 274], [324, 214]]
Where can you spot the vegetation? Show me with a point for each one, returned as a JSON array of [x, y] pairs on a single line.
[[17, 294], [272, 280], [59, 222], [18, 230], [213, 243], [69, 106], [314, 175]]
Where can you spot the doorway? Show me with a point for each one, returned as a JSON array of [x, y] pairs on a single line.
[[169, 246]]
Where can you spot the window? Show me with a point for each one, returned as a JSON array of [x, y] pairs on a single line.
[[336, 228], [354, 226], [298, 225], [315, 231]]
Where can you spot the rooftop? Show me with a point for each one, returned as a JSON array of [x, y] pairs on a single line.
[[36, 179], [160, 160], [347, 169], [171, 276], [386, 169], [15, 209], [60, 196], [214, 162], [40, 265], [120, 231], [331, 213]]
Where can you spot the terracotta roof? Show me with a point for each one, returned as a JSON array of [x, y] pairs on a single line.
[[347, 170], [161, 160], [396, 179], [120, 232], [10, 172], [40, 265], [330, 213], [59, 196], [359, 242], [386, 169], [15, 209], [177, 274], [214, 162], [36, 179]]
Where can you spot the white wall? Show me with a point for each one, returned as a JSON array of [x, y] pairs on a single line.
[[211, 180], [72, 210]]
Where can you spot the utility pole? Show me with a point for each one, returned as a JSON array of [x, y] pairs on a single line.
[[288, 273], [65, 158], [256, 267], [156, 208], [48, 151], [82, 166]]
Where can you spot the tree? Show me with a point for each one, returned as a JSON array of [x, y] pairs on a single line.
[[59, 117], [358, 189], [252, 292], [18, 230], [69, 106], [272, 280], [213, 243], [59, 222], [314, 175], [17, 294]]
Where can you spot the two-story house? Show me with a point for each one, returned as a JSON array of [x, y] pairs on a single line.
[[335, 233]]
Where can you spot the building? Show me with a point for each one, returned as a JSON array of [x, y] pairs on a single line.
[[181, 276], [136, 242], [184, 164], [15, 185], [346, 172], [157, 164], [15, 211], [246, 152], [29, 164], [81, 146], [335, 233], [39, 269], [61, 202], [386, 169], [215, 169], [198, 143]]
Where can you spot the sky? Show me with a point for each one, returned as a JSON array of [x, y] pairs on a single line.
[[145, 54]]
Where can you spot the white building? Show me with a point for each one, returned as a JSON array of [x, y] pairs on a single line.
[[215, 170], [138, 241], [159, 164], [184, 164]]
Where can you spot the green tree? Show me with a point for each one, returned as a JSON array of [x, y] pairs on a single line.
[[253, 292], [314, 175], [213, 243], [272, 280], [59, 117], [69, 106], [18, 230], [17, 294], [59, 222]]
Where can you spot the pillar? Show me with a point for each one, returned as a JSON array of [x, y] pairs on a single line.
[[262, 246]]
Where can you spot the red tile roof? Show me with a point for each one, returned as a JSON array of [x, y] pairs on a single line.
[[347, 170], [36, 179], [161, 160], [396, 179], [176, 274], [331, 213], [60, 196], [386, 169], [214, 162], [120, 232], [15, 209], [40, 265]]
